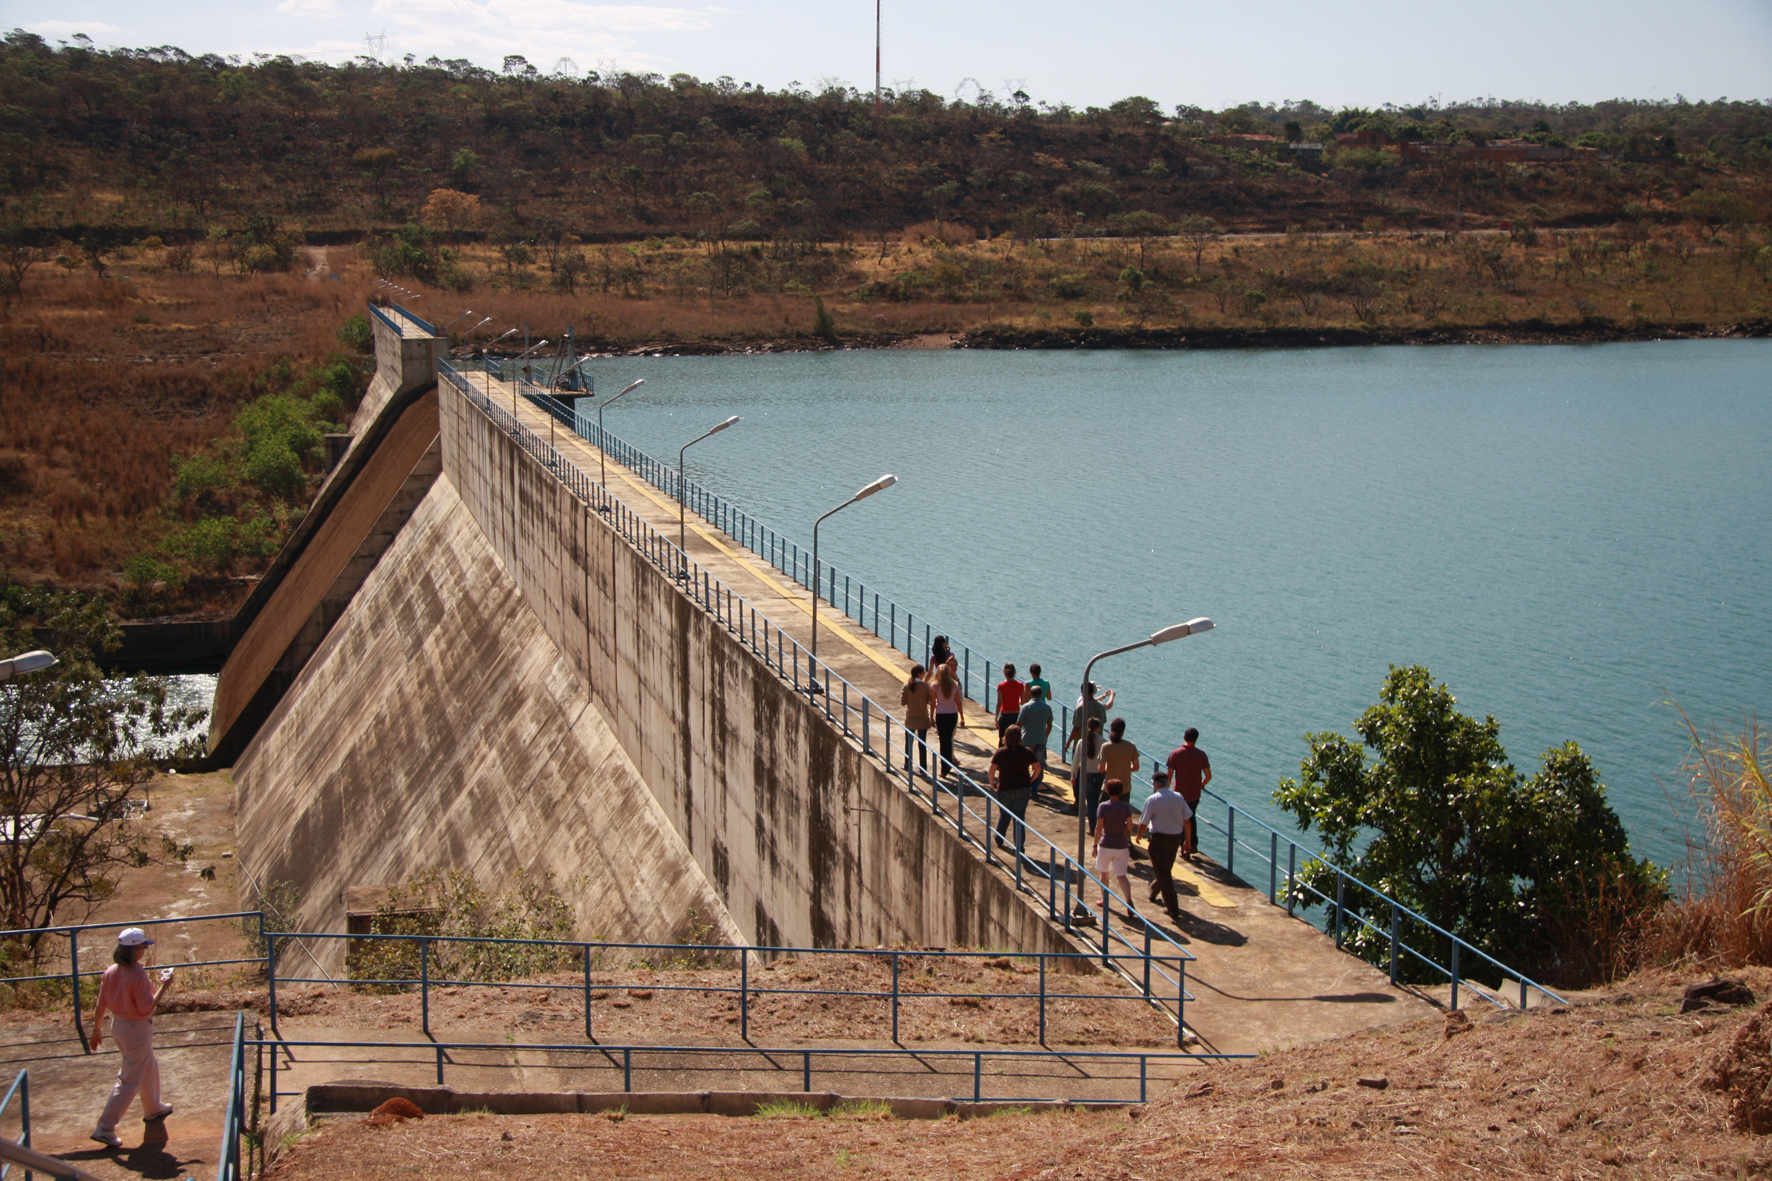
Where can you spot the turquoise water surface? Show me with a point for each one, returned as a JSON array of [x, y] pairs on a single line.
[[1576, 539]]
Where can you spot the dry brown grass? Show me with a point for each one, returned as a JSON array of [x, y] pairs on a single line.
[[1721, 918], [104, 381], [1606, 1090]]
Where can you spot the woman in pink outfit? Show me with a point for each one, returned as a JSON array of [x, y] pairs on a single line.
[[130, 997]]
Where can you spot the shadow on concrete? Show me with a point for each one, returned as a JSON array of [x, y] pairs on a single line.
[[1206, 931], [1358, 998], [151, 1160]]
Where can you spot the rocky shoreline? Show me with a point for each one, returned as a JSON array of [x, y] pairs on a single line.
[[1591, 331]]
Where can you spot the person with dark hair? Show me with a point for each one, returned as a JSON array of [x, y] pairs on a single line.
[[1088, 706], [1036, 681], [950, 713], [1035, 720], [130, 997], [1165, 818], [1010, 694], [1113, 843], [1119, 758], [917, 702], [1192, 771], [1012, 779], [938, 652], [1086, 776]]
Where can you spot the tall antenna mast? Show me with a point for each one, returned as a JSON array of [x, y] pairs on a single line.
[[877, 58]]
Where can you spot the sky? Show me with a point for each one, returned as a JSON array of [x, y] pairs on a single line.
[[1175, 51]]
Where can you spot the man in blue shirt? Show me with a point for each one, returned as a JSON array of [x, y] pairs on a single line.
[[1165, 819], [1035, 720]]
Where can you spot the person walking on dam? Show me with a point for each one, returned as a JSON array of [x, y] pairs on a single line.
[[918, 703], [1036, 681], [1035, 721], [1086, 776], [1113, 843], [1010, 694], [1192, 771], [130, 997], [1012, 778], [950, 713], [1166, 818], [1119, 758]]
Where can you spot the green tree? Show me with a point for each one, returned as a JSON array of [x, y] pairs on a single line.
[[1530, 870], [1199, 232], [76, 754]]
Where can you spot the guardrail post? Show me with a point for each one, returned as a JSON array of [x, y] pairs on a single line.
[[273, 1078], [1230, 840], [74, 989], [1067, 898], [588, 1035], [1042, 998], [1051, 882], [895, 998], [1143, 1062], [439, 1066], [1393, 941], [1147, 962], [1340, 896], [627, 1069], [271, 980], [1273, 868], [744, 995], [866, 745], [1291, 877], [1455, 950], [977, 1070], [1106, 913], [806, 1071], [424, 986], [1181, 1004]]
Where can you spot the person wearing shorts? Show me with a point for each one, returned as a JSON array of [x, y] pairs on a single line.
[[1113, 843]]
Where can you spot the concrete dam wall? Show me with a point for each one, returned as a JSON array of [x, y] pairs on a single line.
[[515, 687]]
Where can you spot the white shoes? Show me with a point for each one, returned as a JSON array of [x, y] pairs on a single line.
[[108, 1139]]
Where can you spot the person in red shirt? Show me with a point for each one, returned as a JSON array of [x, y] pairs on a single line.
[[130, 997], [1010, 694], [1191, 771]]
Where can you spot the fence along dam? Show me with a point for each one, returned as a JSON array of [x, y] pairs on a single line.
[[472, 654]]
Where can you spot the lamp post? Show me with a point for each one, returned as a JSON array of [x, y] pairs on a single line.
[[885, 481], [445, 329], [1191, 627], [602, 468], [682, 535], [538, 344], [26, 662]]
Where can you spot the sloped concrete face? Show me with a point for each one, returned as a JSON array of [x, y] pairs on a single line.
[[438, 725], [805, 839]]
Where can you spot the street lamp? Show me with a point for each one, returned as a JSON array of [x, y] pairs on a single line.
[[1190, 628], [885, 481], [445, 329], [602, 440], [26, 662], [682, 536]]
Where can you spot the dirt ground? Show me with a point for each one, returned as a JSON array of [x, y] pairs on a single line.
[[1615, 1087]]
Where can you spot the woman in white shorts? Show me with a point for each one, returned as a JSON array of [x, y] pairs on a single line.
[[1113, 843]]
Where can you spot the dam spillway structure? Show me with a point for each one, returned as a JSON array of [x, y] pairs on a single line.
[[460, 661]]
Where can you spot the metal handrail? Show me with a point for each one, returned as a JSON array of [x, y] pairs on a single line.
[[768, 1053], [21, 1087], [790, 559], [227, 1166], [859, 717]]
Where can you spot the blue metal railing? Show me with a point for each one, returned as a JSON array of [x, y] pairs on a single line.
[[21, 1090], [921, 1061], [880, 734], [900, 629], [227, 1166]]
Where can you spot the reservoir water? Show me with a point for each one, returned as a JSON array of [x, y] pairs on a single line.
[[1576, 539]]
